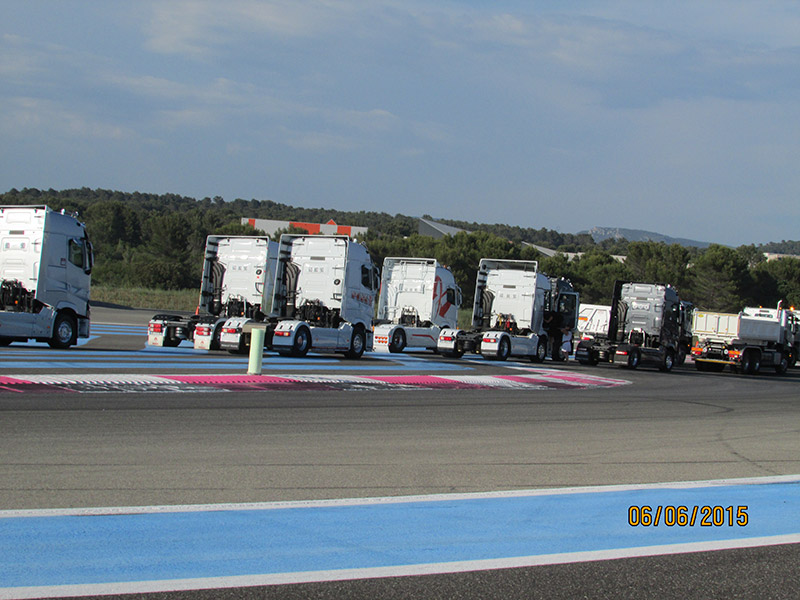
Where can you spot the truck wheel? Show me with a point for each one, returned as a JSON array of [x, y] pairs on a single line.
[[541, 351], [633, 358], [681, 356], [302, 342], [504, 348], [170, 341], [65, 331], [357, 344], [783, 365], [398, 342], [751, 363], [217, 333], [451, 353], [667, 362], [745, 364], [5, 342]]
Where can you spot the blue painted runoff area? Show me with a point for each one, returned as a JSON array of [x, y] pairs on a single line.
[[56, 550]]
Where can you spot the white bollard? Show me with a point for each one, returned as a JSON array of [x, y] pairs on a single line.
[[256, 350]]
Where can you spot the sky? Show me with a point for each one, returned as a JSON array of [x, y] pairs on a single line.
[[678, 117]]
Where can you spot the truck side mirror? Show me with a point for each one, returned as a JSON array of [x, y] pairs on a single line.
[[376, 278], [88, 261]]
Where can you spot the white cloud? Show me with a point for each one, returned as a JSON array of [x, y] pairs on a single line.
[[195, 27], [23, 117]]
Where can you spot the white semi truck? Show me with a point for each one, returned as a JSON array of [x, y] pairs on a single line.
[[754, 338], [324, 296], [419, 297], [644, 326], [238, 275], [517, 311], [45, 276]]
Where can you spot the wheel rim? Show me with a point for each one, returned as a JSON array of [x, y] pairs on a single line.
[[301, 340], [64, 331], [504, 349], [668, 361], [398, 340], [541, 351], [358, 342]]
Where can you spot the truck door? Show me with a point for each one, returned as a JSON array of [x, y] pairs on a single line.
[[568, 308], [79, 268]]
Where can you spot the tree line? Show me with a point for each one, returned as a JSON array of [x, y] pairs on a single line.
[[157, 241]]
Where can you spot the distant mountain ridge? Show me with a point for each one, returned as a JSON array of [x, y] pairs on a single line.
[[639, 235]]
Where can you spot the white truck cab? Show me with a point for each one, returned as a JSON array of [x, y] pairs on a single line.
[[236, 288], [324, 297], [517, 311], [45, 276], [419, 297]]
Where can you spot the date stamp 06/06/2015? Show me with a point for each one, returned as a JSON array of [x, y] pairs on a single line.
[[687, 516]]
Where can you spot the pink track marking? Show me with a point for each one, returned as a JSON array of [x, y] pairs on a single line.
[[11, 381]]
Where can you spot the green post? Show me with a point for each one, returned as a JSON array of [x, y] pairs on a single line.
[[256, 350]]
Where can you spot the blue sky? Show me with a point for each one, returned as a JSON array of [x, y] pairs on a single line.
[[678, 117]]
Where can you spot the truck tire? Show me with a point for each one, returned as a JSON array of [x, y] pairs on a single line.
[[302, 342], [667, 362], [633, 359], [398, 342], [541, 351], [587, 356], [783, 365], [215, 335], [751, 363], [170, 341], [358, 343], [451, 353], [504, 348], [681, 356], [65, 331]]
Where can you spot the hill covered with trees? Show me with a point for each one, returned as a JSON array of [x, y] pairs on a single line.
[[157, 241]]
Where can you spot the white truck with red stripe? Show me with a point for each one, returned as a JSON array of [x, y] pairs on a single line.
[[45, 276], [517, 311], [324, 299], [419, 297], [236, 288]]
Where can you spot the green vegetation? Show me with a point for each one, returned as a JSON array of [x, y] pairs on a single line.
[[154, 243], [180, 300]]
